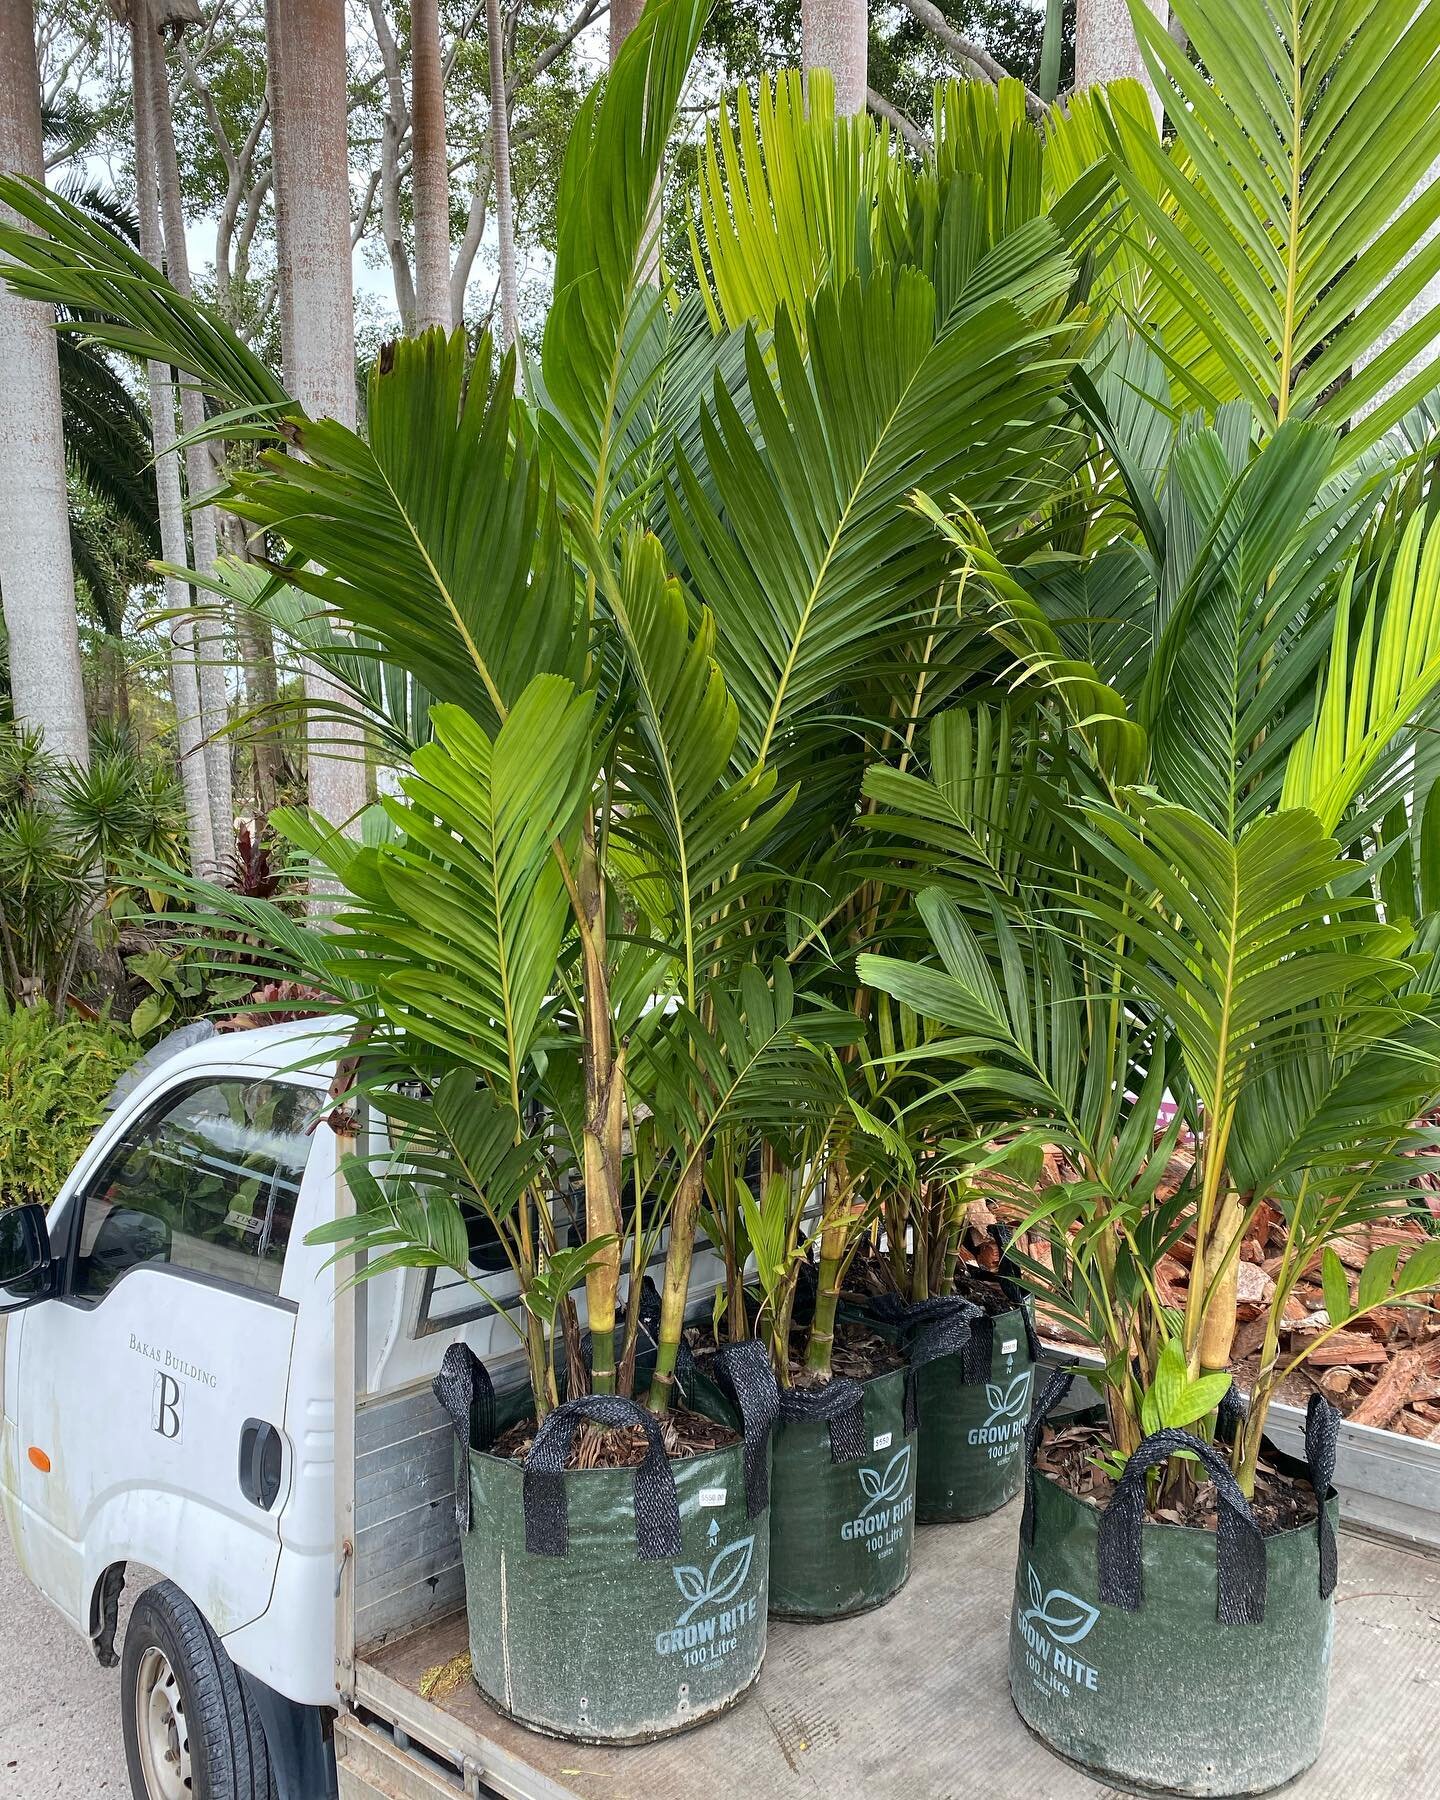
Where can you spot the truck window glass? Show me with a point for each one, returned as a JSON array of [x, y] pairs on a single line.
[[206, 1181]]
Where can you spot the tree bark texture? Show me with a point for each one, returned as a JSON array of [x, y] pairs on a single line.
[[37, 583], [200, 473], [184, 673], [306, 43], [500, 155], [835, 35], [430, 174], [1106, 48]]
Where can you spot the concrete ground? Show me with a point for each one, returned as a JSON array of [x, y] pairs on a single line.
[[60, 1720], [59, 1710]]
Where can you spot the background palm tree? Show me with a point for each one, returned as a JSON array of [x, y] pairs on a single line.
[[37, 581], [835, 35], [306, 48], [429, 171], [500, 152]]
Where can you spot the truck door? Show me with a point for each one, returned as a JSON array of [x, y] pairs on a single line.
[[152, 1392]]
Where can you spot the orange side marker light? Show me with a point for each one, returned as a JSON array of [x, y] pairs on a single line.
[[39, 1459]]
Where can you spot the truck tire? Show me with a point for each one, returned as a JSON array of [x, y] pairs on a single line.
[[190, 1730]]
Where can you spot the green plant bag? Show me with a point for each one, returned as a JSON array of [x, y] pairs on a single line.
[[610, 1605], [970, 1387], [1168, 1659], [973, 1409], [842, 1501]]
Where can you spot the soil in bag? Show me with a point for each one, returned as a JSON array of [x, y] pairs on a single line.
[[616, 1568], [1184, 1653]]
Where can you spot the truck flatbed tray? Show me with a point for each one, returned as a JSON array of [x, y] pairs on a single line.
[[910, 1701]]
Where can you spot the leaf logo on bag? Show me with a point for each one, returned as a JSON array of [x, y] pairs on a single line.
[[1012, 1402], [720, 1583], [1066, 1618], [882, 1487]]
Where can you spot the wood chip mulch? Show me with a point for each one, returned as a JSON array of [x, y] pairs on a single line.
[[625, 1446], [1068, 1454]]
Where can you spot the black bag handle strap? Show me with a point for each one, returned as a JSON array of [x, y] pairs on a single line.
[[978, 1356], [464, 1388], [841, 1403], [1239, 1547], [935, 1328], [1056, 1387], [1011, 1286], [547, 1512], [1322, 1439], [946, 1325], [745, 1373]]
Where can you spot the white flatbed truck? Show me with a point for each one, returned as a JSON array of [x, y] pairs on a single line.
[[186, 1393]]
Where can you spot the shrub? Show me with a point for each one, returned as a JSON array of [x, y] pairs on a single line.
[[54, 1076]]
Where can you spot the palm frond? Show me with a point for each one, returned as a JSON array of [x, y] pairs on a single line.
[[1296, 187]]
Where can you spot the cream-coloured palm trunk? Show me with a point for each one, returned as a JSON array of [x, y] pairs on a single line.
[[500, 155], [37, 583], [1106, 48], [184, 671], [835, 35], [306, 47], [200, 474]]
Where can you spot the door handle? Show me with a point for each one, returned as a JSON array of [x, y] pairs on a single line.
[[261, 1459]]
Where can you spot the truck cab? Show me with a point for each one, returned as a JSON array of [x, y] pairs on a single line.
[[167, 1347]]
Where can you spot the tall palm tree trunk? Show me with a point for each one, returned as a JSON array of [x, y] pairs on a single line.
[[500, 155], [835, 35], [306, 47], [1106, 48], [184, 671], [624, 16], [200, 474], [429, 166], [37, 582]]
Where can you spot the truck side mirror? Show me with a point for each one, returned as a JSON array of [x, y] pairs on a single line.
[[26, 1265]]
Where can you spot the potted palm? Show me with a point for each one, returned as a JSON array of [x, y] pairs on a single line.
[[843, 1489], [1227, 638], [940, 1278], [1197, 927], [568, 914], [529, 936], [829, 614]]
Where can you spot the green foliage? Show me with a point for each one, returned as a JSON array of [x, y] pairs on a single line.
[[68, 841], [971, 585], [54, 1076], [1295, 188], [1173, 1401]]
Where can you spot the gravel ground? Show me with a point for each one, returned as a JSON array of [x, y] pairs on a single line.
[[59, 1710]]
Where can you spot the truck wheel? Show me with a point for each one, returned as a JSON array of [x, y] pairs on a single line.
[[190, 1730]]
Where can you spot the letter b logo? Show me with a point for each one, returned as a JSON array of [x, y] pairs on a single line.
[[168, 1410]]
